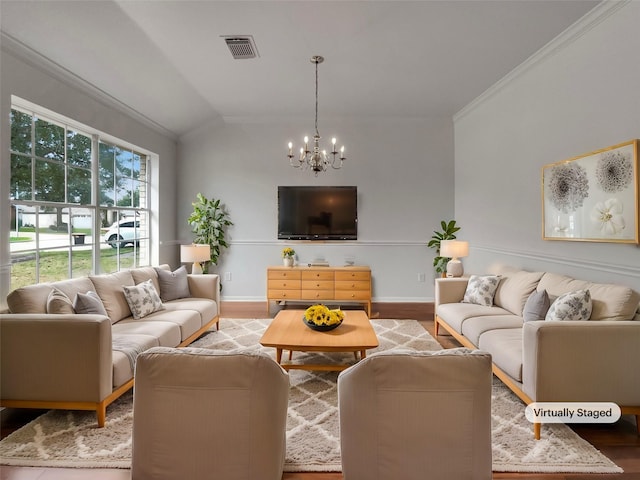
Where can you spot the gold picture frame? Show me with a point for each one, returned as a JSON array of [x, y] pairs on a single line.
[[593, 197]]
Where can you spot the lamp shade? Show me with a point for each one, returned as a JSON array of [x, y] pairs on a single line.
[[454, 248], [195, 253]]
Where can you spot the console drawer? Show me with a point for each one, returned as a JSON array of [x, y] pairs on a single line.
[[317, 294], [318, 275], [353, 285], [291, 284], [352, 295], [317, 285], [284, 294], [282, 274], [357, 275]]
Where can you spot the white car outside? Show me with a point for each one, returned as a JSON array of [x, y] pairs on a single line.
[[123, 233]]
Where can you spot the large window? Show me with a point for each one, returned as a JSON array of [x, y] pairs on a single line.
[[78, 200]]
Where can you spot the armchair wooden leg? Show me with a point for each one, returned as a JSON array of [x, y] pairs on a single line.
[[536, 430]]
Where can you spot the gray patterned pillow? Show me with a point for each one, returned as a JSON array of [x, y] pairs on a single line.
[[143, 299], [571, 306], [481, 289]]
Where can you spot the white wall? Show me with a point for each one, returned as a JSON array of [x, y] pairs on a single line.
[[581, 95], [403, 169], [25, 75]]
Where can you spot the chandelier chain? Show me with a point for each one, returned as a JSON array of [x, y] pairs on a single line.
[[317, 134]]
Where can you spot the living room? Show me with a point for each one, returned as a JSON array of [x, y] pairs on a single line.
[[480, 164]]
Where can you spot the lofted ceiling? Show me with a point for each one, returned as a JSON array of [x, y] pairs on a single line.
[[167, 59]]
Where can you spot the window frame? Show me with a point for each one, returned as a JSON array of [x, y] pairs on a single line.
[[141, 209]]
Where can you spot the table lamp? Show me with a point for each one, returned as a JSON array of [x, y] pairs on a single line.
[[454, 249], [196, 253]]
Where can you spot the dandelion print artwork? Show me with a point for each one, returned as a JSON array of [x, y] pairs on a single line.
[[593, 197], [568, 187]]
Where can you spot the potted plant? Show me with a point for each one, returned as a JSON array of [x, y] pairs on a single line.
[[448, 233], [287, 256], [209, 222]]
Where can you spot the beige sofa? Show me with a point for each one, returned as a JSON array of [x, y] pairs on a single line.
[[85, 361], [592, 360]]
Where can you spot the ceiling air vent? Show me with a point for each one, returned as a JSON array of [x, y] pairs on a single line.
[[241, 46]]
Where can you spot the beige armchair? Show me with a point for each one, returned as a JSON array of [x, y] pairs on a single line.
[[202, 414], [408, 415]]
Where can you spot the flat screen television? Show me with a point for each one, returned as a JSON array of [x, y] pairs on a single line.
[[317, 213]]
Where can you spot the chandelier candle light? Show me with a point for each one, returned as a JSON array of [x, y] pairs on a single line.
[[316, 159], [196, 254]]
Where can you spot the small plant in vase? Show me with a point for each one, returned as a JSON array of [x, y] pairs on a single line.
[[287, 256]]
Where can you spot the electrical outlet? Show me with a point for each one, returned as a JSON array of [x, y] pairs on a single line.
[[421, 277], [227, 276]]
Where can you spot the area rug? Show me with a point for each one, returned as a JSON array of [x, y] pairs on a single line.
[[72, 439]]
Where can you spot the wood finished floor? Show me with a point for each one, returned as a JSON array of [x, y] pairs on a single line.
[[619, 441]]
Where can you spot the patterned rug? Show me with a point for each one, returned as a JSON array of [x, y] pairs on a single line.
[[71, 438]]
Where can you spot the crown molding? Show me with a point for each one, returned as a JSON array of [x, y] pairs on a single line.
[[591, 19], [38, 61]]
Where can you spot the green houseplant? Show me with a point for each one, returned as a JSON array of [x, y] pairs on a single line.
[[209, 222], [447, 233]]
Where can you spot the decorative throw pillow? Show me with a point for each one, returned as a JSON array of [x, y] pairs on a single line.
[[536, 307], [481, 289], [143, 299], [89, 303], [571, 306], [173, 285], [59, 303]]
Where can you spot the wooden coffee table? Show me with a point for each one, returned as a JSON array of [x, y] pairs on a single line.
[[287, 331]]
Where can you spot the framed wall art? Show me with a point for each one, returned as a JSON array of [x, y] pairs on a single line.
[[593, 197]]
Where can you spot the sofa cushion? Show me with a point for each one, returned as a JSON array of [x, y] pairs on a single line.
[[59, 303], [609, 302], [505, 347], [514, 290], [570, 306], [455, 314], [188, 321], [143, 299], [142, 274], [122, 371], [29, 299], [109, 289], [173, 285], [206, 308], [536, 307], [74, 286], [167, 333], [472, 328], [481, 289], [89, 303]]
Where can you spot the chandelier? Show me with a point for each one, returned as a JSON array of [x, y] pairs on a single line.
[[316, 159]]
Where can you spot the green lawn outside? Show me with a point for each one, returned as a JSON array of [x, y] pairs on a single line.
[[54, 266]]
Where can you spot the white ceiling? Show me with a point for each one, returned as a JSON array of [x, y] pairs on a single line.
[[167, 60]]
